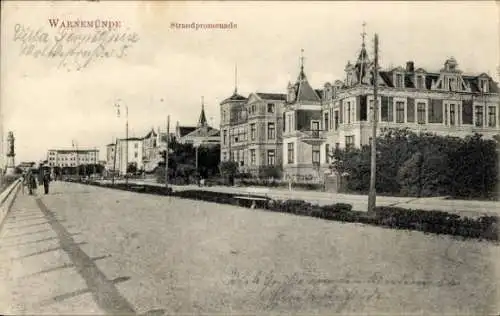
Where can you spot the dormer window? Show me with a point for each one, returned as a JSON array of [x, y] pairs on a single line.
[[452, 84], [398, 80], [483, 85], [419, 82], [270, 108]]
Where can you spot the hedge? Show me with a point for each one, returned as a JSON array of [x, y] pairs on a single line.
[[436, 222], [424, 164]]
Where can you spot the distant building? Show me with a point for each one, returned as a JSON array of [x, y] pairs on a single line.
[[154, 143], [26, 165], [71, 157], [117, 159], [201, 134]]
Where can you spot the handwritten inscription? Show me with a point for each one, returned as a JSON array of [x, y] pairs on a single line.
[[74, 48], [293, 289]]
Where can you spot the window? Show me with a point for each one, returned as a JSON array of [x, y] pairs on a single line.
[[315, 155], [400, 112], [224, 156], [136, 154], [370, 111], [492, 116], [224, 137], [420, 82], [421, 113], [252, 157], [336, 127], [290, 152], [435, 111], [270, 108], [452, 114], [326, 121], [348, 112], [271, 157], [399, 81], [467, 112], [271, 131], [252, 131], [349, 141], [136, 145], [242, 157], [479, 116], [327, 153], [452, 84], [315, 125], [290, 118], [386, 113], [483, 84]]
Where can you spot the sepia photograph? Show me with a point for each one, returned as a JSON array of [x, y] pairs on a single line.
[[249, 157]]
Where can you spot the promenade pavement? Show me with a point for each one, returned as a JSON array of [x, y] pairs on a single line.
[[92, 250], [470, 208]]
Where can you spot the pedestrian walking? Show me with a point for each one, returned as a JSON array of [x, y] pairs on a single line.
[[46, 181], [31, 182], [24, 184]]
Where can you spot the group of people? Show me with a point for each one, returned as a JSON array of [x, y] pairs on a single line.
[[30, 181]]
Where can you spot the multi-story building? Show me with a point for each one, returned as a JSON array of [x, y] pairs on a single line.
[[118, 160], [445, 102], [301, 130], [251, 130], [154, 143], [72, 157]]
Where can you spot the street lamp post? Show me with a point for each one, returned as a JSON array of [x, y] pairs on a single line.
[[117, 105]]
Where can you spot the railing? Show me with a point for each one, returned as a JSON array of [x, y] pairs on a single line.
[[316, 133], [4, 197]]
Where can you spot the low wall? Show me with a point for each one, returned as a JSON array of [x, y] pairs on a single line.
[[7, 198]]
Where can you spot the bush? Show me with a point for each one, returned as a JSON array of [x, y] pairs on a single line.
[[438, 222], [424, 164]]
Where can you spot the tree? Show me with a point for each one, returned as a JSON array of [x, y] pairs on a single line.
[[132, 167]]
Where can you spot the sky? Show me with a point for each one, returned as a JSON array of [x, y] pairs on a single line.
[[166, 70]]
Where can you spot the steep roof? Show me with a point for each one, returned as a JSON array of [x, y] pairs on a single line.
[[303, 90], [205, 131], [184, 130], [319, 92], [471, 80], [234, 98], [151, 133], [202, 121], [272, 96]]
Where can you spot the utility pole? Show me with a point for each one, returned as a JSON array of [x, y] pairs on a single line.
[[126, 145], [114, 162], [166, 151], [372, 193]]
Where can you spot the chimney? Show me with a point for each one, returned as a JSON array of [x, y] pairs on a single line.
[[409, 66]]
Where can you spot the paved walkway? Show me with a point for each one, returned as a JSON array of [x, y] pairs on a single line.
[[359, 202], [91, 250]]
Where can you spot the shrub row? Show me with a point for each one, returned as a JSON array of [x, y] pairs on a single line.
[[437, 222]]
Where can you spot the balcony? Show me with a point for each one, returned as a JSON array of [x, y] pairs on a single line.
[[312, 137]]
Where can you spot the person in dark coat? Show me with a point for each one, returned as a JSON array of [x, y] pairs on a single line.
[[31, 182], [46, 181]]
